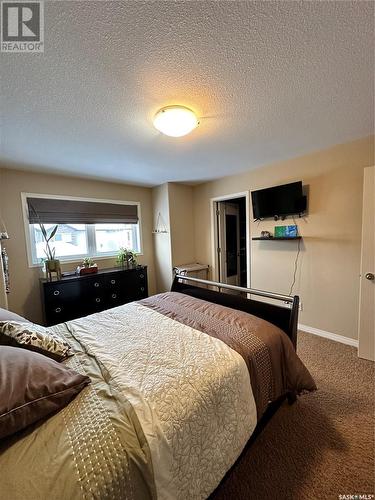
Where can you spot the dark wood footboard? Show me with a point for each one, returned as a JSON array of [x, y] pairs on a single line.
[[286, 318]]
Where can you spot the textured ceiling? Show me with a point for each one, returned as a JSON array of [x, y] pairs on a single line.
[[269, 81]]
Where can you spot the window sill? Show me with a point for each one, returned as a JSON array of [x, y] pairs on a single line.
[[79, 261]]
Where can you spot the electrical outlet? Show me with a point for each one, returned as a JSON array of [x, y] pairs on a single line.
[[300, 307]]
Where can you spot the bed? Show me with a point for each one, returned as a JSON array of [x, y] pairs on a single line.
[[179, 383]]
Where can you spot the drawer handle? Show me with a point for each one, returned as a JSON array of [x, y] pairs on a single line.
[[58, 310], [141, 275], [113, 282], [96, 284], [142, 288], [56, 292], [114, 296], [97, 300]]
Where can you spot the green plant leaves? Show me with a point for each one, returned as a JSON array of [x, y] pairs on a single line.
[[43, 229], [53, 232], [126, 255], [49, 253]]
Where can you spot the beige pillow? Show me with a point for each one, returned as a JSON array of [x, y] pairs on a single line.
[[6, 315], [34, 338]]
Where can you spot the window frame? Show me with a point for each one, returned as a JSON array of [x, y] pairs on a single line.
[[30, 242]]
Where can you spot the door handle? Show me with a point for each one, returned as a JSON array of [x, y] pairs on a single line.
[[370, 276]]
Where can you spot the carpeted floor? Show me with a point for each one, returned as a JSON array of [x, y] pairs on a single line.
[[320, 447]]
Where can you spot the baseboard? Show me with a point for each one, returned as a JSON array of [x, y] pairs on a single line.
[[328, 335]]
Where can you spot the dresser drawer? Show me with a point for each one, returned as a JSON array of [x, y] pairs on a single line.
[[100, 284], [62, 312], [105, 297], [57, 293], [134, 283]]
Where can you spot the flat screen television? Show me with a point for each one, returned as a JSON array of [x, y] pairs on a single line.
[[279, 201]]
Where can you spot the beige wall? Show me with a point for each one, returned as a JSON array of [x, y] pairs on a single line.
[[182, 223], [25, 295], [162, 241], [328, 268], [175, 204]]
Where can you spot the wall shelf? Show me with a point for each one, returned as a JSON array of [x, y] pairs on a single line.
[[278, 239]]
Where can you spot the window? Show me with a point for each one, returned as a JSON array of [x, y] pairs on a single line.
[[75, 241], [70, 241]]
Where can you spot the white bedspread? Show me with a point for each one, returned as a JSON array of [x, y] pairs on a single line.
[[190, 391]]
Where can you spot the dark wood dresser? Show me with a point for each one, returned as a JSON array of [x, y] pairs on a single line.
[[76, 296]]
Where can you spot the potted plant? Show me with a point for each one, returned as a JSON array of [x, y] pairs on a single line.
[[126, 258], [52, 264], [88, 266]]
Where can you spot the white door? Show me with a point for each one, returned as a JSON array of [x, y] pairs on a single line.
[[366, 331], [229, 242]]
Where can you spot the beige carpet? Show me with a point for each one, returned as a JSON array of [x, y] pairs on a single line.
[[323, 445]]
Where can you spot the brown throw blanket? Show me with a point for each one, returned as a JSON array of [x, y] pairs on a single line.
[[274, 367]]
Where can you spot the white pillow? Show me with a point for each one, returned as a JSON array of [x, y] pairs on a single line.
[[6, 315]]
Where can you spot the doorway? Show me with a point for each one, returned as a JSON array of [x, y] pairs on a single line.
[[231, 239]]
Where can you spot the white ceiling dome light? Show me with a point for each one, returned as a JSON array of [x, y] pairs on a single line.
[[175, 121]]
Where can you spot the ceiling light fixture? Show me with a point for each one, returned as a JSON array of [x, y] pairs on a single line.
[[175, 121]]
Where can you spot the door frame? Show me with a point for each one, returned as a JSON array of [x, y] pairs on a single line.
[[214, 233], [225, 207]]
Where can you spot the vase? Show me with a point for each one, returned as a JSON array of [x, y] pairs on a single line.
[[88, 270], [53, 266]]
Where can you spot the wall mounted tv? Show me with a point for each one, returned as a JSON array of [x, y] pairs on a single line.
[[279, 201]]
